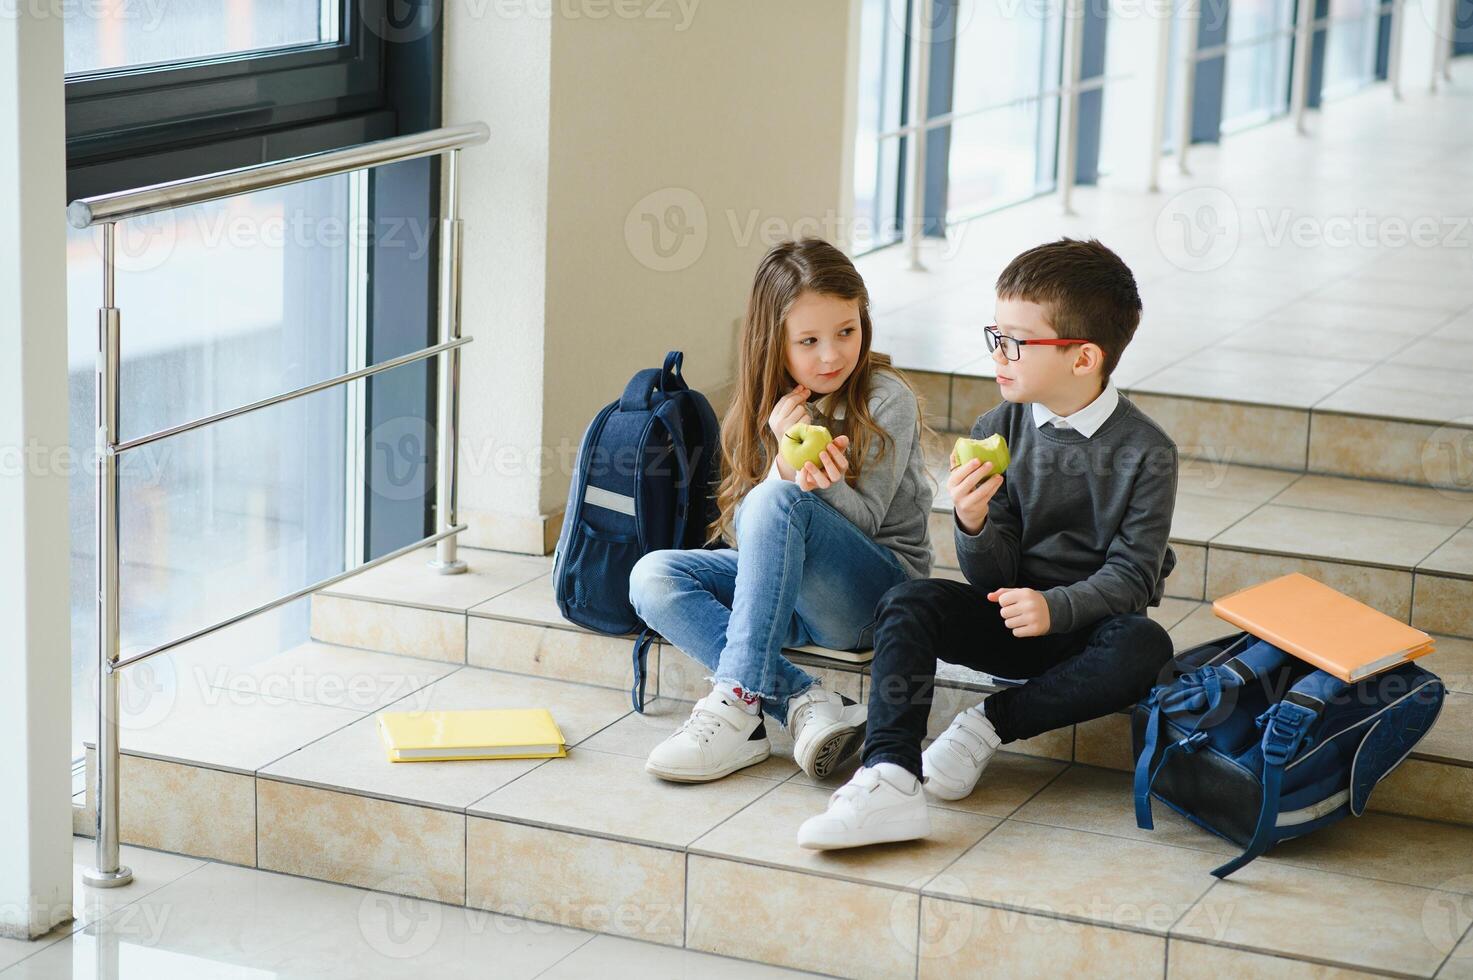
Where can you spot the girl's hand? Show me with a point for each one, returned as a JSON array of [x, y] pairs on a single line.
[[1024, 611], [789, 411], [835, 465]]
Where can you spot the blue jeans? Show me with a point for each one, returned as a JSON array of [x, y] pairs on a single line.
[[806, 576]]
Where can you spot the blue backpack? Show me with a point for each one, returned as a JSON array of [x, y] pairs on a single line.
[[1258, 747], [644, 480]]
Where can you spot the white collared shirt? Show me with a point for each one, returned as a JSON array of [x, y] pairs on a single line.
[[1087, 420]]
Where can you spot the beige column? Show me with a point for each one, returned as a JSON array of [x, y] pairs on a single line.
[[644, 154]]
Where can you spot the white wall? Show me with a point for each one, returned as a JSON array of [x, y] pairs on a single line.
[[723, 124], [497, 72], [35, 805]]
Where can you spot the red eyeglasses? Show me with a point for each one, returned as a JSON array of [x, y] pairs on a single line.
[[1012, 347]]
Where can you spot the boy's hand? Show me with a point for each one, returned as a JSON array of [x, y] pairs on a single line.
[[835, 465], [1024, 611], [971, 488]]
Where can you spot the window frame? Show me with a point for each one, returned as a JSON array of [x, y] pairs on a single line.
[[130, 127]]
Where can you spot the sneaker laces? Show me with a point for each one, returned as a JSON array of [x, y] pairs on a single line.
[[702, 723]]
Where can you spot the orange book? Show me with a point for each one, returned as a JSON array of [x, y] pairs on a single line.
[[1323, 627]]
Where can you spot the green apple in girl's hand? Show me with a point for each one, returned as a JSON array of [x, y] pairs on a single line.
[[993, 449], [802, 443]]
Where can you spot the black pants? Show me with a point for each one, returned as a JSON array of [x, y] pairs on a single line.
[[1073, 677]]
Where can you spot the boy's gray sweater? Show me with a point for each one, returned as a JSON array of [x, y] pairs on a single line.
[[1084, 520]]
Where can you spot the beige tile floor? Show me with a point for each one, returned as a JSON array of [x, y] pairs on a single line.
[[1039, 838], [1374, 325], [185, 919]]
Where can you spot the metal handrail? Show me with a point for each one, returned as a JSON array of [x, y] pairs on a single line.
[[105, 211], [286, 396], [289, 597], [944, 119], [1282, 33], [87, 211]]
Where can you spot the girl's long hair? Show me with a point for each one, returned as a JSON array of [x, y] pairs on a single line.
[[748, 446]]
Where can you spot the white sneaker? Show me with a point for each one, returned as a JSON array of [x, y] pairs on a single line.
[[869, 809], [827, 729], [717, 739], [953, 763]]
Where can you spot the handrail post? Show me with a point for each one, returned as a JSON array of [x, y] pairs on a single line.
[[1159, 105], [1066, 159], [447, 415], [1393, 54], [1192, 29], [1446, 21], [915, 225], [107, 872], [1299, 88]]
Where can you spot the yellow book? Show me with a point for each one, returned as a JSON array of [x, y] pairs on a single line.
[[443, 736]]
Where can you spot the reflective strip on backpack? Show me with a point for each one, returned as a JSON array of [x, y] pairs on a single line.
[[1289, 818], [607, 499]]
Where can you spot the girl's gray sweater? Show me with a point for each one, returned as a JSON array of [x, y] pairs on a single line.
[[891, 500]]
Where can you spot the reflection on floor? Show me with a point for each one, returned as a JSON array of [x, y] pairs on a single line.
[[186, 919]]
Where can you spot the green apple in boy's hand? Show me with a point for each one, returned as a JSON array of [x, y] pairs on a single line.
[[993, 449], [803, 443]]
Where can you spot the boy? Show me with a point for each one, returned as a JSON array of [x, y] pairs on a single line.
[[1062, 555]]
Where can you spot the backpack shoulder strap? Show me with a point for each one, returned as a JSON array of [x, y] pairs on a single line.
[[1286, 728], [701, 464], [642, 643], [669, 415]]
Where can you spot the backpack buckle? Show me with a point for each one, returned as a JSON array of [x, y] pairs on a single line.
[[1192, 742], [1195, 697], [1284, 726]]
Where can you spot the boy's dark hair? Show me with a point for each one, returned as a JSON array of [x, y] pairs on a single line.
[[1088, 291]]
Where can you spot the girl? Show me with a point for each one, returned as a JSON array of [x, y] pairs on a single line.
[[815, 548]]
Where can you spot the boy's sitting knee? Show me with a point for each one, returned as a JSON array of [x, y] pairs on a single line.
[[911, 602], [1146, 643], [902, 594]]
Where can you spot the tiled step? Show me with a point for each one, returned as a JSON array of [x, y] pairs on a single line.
[[1270, 429], [1040, 871], [517, 628], [1406, 550]]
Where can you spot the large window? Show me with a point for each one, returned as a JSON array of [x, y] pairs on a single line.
[[990, 65], [222, 304], [1006, 55], [136, 34], [233, 301], [882, 86], [1350, 46], [1256, 86]]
